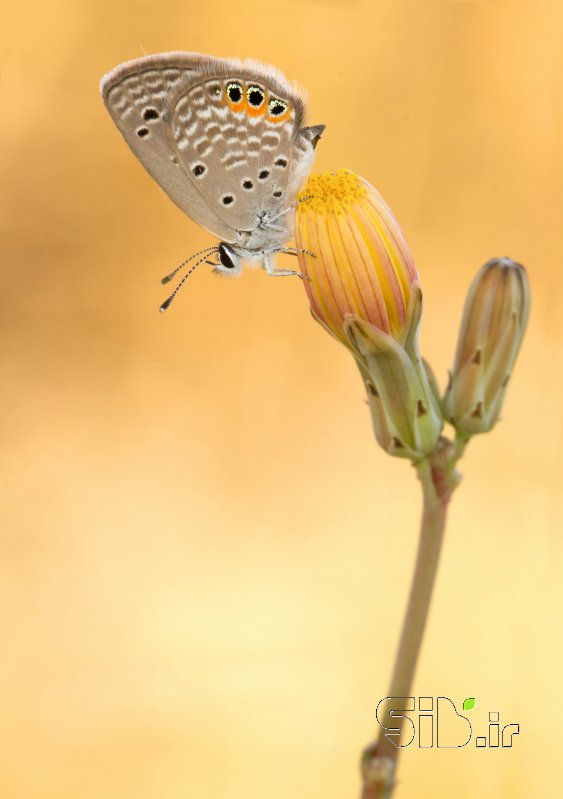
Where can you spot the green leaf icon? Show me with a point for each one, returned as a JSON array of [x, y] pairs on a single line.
[[469, 704]]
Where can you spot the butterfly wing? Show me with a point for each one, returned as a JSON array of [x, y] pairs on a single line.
[[237, 131], [222, 137], [140, 96]]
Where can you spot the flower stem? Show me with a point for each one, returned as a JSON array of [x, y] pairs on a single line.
[[438, 478]]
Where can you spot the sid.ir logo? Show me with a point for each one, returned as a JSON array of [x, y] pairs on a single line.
[[438, 724]]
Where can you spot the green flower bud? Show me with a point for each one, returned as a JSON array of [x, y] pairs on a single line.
[[405, 413], [493, 324]]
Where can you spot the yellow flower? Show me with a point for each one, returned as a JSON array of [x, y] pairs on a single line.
[[494, 320], [363, 288], [363, 266]]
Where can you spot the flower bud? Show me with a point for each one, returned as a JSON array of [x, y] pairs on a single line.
[[363, 289], [493, 324], [362, 265]]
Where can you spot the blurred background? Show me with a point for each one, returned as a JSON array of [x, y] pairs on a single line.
[[204, 556]]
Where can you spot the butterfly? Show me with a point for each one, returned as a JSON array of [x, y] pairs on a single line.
[[225, 139]]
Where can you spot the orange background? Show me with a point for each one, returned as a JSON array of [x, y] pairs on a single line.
[[204, 556]]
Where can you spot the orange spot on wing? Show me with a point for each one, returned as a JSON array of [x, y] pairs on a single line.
[[240, 106], [253, 111], [281, 117]]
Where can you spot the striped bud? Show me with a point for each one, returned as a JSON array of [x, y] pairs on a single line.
[[493, 324]]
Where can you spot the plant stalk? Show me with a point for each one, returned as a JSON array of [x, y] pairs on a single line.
[[438, 478]]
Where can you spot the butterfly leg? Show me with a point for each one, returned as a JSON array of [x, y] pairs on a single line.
[[295, 250], [272, 227], [291, 207], [281, 272], [269, 222]]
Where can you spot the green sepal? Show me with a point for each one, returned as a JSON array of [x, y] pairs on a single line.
[[402, 398]]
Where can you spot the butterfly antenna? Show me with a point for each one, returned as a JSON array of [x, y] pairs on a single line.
[[169, 277], [167, 302]]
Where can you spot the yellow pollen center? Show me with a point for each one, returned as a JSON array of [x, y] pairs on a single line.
[[332, 192]]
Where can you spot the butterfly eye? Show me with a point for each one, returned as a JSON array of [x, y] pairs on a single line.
[[225, 257], [276, 107], [234, 92], [255, 96]]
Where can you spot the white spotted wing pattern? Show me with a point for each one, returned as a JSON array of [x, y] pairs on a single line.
[[225, 140]]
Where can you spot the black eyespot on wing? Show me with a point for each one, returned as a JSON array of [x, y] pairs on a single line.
[[234, 92], [227, 199], [277, 194], [198, 170], [255, 96], [247, 184], [142, 132], [276, 107], [150, 113], [263, 174], [281, 162]]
